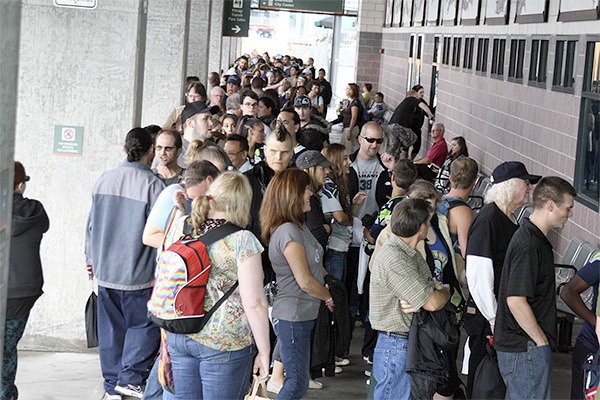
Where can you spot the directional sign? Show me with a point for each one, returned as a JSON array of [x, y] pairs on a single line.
[[317, 6], [88, 4], [236, 18]]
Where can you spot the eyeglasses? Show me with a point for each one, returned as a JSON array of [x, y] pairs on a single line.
[[373, 140], [253, 105], [168, 149], [233, 153]]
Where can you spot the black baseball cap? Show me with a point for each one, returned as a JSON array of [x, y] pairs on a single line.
[[512, 169], [197, 107]]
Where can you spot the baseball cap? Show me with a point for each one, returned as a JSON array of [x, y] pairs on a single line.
[[234, 79], [197, 107], [302, 101], [307, 71], [512, 169], [20, 176], [311, 158]]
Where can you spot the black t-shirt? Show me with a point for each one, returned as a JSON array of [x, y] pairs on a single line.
[[489, 236], [529, 272], [407, 114]]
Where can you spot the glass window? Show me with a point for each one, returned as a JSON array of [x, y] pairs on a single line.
[[517, 54], [456, 52], [539, 61], [482, 54], [468, 55], [588, 154], [564, 65], [559, 58], [446, 54], [498, 50]]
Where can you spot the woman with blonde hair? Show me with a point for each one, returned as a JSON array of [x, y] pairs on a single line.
[[198, 150], [296, 257], [217, 362]]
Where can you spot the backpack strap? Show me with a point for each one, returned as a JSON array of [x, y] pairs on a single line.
[[209, 238], [214, 308], [219, 233]]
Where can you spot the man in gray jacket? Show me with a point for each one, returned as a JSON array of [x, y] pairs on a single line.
[[124, 267]]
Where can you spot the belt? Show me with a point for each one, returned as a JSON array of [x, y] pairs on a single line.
[[401, 335]]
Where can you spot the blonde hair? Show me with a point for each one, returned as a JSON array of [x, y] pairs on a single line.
[[197, 151], [502, 193], [229, 193]]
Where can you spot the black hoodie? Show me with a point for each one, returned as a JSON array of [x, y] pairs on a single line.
[[29, 223]]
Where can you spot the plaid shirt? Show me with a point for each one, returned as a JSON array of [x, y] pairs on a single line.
[[398, 272]]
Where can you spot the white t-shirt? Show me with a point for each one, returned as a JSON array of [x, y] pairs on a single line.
[[367, 172]]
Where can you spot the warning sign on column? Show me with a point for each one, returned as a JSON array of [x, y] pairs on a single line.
[[68, 140]]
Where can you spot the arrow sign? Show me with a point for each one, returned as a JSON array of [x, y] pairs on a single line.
[[236, 18]]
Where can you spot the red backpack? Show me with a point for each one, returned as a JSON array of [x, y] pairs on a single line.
[[182, 272]]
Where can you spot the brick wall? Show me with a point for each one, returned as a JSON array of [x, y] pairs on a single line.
[[500, 120]]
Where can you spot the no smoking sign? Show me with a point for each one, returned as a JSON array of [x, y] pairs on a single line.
[[68, 134], [68, 140]]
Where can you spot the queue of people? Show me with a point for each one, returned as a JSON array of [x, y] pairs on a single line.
[[330, 234]]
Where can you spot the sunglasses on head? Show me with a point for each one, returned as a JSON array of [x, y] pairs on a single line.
[[372, 140]]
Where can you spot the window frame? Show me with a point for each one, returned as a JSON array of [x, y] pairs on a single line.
[[516, 59], [540, 63], [497, 69], [563, 59], [467, 62], [483, 50], [587, 95]]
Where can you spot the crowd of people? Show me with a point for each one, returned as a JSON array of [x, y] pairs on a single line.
[[334, 234], [330, 235]]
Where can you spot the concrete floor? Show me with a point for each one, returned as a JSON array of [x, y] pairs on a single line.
[[77, 376]]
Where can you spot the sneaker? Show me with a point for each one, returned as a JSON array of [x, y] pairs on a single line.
[[130, 390], [340, 362], [273, 388], [112, 397], [369, 359], [367, 372], [338, 370], [312, 384]]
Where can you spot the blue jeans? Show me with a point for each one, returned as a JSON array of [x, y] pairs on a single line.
[[200, 372], [153, 390], [127, 340], [528, 375], [335, 263], [295, 339], [389, 364]]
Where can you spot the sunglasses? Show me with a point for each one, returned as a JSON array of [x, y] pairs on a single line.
[[372, 140]]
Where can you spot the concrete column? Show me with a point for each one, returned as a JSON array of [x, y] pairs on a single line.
[[10, 27], [165, 59], [370, 19], [77, 68]]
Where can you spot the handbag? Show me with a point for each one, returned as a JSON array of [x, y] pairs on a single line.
[[91, 320], [165, 368], [257, 390]]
